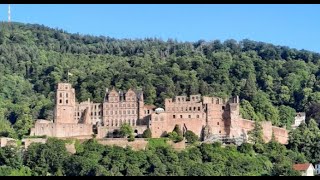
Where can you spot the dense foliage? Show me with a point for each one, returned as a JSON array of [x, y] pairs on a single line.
[[273, 83], [34, 58], [94, 159]]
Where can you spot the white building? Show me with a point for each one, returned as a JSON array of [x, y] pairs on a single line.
[[300, 118], [306, 169], [317, 167]]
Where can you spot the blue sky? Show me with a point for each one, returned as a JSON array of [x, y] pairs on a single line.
[[296, 26]]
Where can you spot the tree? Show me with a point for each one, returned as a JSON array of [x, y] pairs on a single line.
[[286, 115], [191, 137], [313, 111], [255, 135], [264, 108], [250, 88], [49, 158], [147, 133], [177, 129], [125, 130], [247, 111], [175, 137]]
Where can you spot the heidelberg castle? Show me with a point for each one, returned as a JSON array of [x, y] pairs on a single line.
[[213, 115]]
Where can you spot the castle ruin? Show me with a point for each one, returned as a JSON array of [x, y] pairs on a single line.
[[207, 117]]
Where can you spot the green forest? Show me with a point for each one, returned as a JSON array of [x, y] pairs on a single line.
[[273, 82], [93, 159]]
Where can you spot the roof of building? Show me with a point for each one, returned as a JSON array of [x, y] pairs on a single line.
[[299, 114], [150, 106], [159, 110], [301, 167]]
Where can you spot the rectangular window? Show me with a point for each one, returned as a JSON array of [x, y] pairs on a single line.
[[60, 101], [189, 116], [217, 123], [180, 116], [174, 116], [66, 94], [66, 101], [60, 94], [197, 116], [148, 111], [223, 107], [128, 111], [190, 108], [132, 111], [198, 108], [124, 112]]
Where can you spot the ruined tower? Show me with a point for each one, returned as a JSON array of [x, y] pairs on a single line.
[[65, 104]]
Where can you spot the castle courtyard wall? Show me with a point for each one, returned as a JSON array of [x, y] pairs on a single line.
[[61, 130]]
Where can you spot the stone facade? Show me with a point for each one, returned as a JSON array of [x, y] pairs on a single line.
[[218, 116], [66, 121], [203, 115]]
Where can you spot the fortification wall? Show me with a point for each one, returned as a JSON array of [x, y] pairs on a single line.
[[4, 141], [244, 125], [29, 141], [280, 134], [137, 144], [164, 123], [61, 130]]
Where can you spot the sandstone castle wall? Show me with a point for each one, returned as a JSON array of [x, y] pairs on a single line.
[[196, 113]]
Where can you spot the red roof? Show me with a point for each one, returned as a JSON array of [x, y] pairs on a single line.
[[301, 167]]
